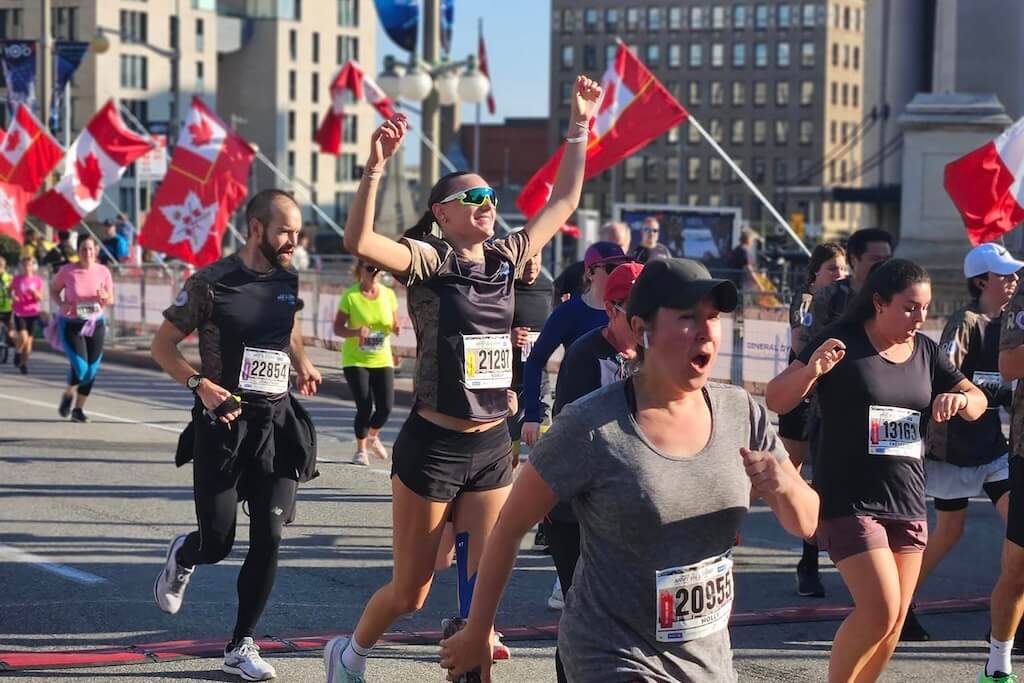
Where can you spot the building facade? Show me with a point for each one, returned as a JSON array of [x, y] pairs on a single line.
[[779, 85]]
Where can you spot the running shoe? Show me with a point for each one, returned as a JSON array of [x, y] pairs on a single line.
[[540, 539], [377, 448], [17, 358], [361, 458], [556, 600], [169, 587], [65, 406], [78, 415], [499, 650], [808, 583], [997, 677], [913, 631], [244, 660], [336, 671], [24, 368]]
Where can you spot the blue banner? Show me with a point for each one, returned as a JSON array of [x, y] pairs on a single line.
[[19, 65], [401, 21], [447, 21], [67, 57]]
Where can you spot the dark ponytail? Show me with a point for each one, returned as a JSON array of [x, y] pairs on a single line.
[[442, 188], [886, 279]]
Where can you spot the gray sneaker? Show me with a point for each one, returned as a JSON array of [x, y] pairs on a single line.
[[376, 447], [336, 671], [244, 660], [361, 458], [169, 587]]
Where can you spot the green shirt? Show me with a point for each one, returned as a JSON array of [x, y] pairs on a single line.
[[379, 316], [6, 301]]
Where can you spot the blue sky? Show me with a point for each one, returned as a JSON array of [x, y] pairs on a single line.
[[518, 44]]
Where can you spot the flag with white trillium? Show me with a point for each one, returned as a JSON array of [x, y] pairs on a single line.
[[96, 160], [208, 178], [351, 79]]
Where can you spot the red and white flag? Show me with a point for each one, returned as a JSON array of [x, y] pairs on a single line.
[[635, 109], [95, 161], [27, 152], [208, 178], [352, 79], [987, 186], [481, 60], [13, 207]]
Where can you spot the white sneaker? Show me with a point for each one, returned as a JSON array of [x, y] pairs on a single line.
[[377, 448], [336, 671], [361, 458], [169, 587], [557, 600], [244, 660]]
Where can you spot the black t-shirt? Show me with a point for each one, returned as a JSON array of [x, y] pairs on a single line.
[[739, 259], [589, 364], [874, 417], [235, 308], [642, 254], [533, 306]]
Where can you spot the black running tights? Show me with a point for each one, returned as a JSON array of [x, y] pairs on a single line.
[[270, 501], [564, 545], [373, 390]]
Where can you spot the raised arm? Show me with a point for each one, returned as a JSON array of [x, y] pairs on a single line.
[[793, 384], [565, 193]]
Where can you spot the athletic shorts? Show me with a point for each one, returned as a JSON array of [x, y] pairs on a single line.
[[26, 324], [1015, 514], [793, 425], [851, 535], [439, 464], [5, 317], [951, 485]]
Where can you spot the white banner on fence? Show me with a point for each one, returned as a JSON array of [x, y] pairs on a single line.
[[722, 369], [308, 295], [765, 349], [325, 317], [128, 301], [158, 299]]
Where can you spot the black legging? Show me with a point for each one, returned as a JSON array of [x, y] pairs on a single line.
[[564, 546], [373, 390], [84, 353], [270, 500]]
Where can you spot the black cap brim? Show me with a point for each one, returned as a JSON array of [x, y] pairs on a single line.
[[689, 295]]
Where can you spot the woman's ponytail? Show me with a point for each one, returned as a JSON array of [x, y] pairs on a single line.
[[424, 227]]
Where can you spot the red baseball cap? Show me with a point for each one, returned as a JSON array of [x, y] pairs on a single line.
[[620, 282]]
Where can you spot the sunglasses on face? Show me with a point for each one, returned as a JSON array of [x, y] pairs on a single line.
[[606, 267], [650, 231], [372, 270], [474, 196]]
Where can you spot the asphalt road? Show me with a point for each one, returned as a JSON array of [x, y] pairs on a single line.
[[86, 512]]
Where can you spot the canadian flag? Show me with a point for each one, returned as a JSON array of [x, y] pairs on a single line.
[[207, 180], [352, 79], [481, 58], [635, 109], [13, 207], [27, 152], [95, 161], [986, 185]]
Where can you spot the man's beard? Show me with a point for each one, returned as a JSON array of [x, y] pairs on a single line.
[[269, 253]]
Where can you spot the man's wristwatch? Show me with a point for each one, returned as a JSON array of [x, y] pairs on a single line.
[[193, 382]]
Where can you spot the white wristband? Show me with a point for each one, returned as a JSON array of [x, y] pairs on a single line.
[[581, 138]]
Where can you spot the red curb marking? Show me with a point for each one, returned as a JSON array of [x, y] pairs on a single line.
[[143, 653]]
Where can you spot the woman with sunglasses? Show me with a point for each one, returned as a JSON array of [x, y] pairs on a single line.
[[367, 317], [455, 445]]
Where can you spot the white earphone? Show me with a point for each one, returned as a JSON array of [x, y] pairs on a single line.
[[647, 340]]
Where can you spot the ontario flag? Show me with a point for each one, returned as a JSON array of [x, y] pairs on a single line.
[[352, 79], [635, 109], [27, 152], [207, 180], [95, 161], [987, 186], [13, 207]]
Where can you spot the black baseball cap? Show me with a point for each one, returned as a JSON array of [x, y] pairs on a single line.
[[678, 283]]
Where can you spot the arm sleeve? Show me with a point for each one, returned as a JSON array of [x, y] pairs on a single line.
[[762, 434], [536, 365], [426, 260], [343, 304], [1012, 333], [192, 307], [515, 248], [575, 378], [944, 375], [821, 312], [558, 455]]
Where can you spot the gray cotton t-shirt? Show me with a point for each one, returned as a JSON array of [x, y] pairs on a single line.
[[640, 512]]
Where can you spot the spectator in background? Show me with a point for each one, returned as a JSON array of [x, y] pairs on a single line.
[[114, 244], [649, 248], [741, 264], [300, 255], [63, 253], [125, 229], [35, 245], [614, 231]]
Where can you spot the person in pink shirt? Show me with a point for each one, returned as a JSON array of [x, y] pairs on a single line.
[[82, 290], [27, 292]]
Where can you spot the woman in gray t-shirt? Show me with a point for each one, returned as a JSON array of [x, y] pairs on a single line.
[[659, 469]]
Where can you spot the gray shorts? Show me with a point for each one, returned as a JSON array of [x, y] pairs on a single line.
[[950, 482]]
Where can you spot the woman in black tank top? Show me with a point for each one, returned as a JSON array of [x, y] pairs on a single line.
[[453, 457]]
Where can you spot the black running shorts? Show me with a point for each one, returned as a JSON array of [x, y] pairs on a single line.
[[793, 425], [1015, 512]]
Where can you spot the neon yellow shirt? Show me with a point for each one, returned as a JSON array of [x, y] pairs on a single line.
[[378, 315], [6, 300]]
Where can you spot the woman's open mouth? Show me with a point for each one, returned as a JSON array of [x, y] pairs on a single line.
[[701, 361]]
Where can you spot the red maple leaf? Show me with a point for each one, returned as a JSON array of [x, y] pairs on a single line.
[[13, 140], [90, 175], [201, 132]]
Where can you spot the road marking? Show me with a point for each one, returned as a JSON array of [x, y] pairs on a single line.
[[77, 575], [115, 418]]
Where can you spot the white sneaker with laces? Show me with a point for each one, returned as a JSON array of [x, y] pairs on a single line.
[[377, 448], [557, 600], [171, 582], [244, 660], [361, 458]]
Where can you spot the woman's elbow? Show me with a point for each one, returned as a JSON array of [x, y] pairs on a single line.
[[773, 399]]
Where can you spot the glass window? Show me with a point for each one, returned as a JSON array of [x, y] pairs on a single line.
[[846, 56], [590, 20], [715, 169], [782, 94], [292, 85], [64, 23], [780, 170], [739, 54], [806, 132], [692, 135], [739, 16], [832, 128], [672, 136], [807, 54], [653, 18], [782, 54], [633, 19], [717, 55], [835, 93], [565, 91], [842, 171], [806, 93], [609, 54], [696, 17], [737, 132], [696, 54], [290, 164], [590, 57], [760, 131], [761, 16], [316, 47], [693, 169], [293, 44], [760, 55], [291, 126], [856, 58], [760, 93], [314, 87], [835, 54], [134, 27], [715, 129], [672, 171], [675, 55], [757, 172], [348, 12], [611, 20], [856, 19], [718, 17], [633, 166], [568, 56], [653, 54], [717, 94], [782, 16], [856, 96], [200, 35], [694, 91], [134, 72], [781, 132], [675, 18], [650, 168], [739, 94], [809, 12], [846, 94]]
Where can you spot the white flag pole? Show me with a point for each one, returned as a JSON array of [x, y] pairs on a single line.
[[307, 188], [749, 183]]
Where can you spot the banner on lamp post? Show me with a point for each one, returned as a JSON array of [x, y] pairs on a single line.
[[19, 66]]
